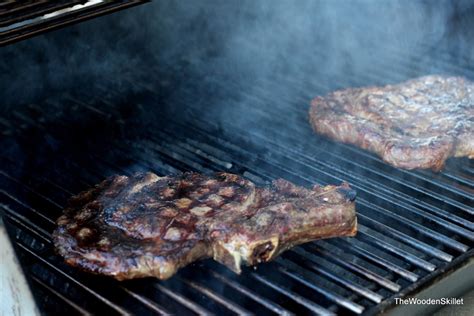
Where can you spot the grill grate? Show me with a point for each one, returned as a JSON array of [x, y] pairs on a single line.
[[414, 225], [23, 19]]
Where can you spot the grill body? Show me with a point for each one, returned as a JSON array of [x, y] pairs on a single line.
[[415, 226]]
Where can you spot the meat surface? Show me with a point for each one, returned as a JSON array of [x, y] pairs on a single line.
[[415, 124], [146, 225]]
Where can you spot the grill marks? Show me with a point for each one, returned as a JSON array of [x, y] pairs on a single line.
[[146, 225], [171, 208], [415, 124]]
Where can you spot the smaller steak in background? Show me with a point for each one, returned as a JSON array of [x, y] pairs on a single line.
[[146, 225], [419, 123]]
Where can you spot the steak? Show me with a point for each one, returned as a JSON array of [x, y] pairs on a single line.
[[146, 225], [414, 124]]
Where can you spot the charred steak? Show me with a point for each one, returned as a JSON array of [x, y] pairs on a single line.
[[145, 225], [414, 124]]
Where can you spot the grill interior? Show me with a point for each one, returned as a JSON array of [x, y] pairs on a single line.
[[414, 225]]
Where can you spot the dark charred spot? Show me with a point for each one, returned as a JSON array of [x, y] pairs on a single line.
[[221, 177], [110, 211], [398, 130], [349, 194], [135, 212], [262, 252], [94, 205]]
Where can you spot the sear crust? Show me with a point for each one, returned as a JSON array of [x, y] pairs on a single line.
[[415, 124], [146, 225]]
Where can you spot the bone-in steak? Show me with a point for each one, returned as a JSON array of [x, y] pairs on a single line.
[[145, 225], [415, 124]]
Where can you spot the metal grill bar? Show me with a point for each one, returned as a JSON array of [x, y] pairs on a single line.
[[383, 262], [192, 306], [308, 280], [268, 304], [459, 178], [76, 307], [41, 16], [352, 266], [228, 304], [362, 230], [297, 298], [39, 214], [407, 239], [380, 273], [149, 303], [347, 283], [37, 8], [419, 228], [13, 7]]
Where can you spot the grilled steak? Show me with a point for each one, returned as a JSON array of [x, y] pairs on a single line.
[[145, 225], [414, 124]]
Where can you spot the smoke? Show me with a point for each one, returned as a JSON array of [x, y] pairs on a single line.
[[219, 55]]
